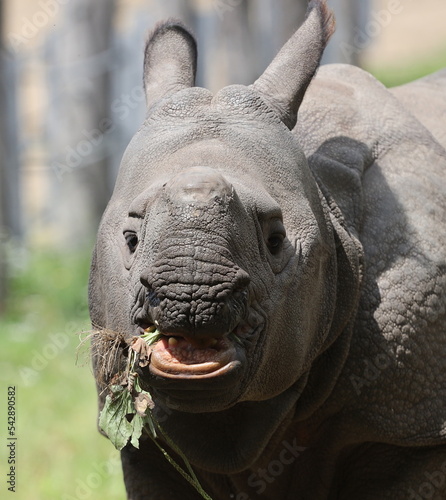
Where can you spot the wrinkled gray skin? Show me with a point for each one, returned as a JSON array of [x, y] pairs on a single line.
[[323, 249]]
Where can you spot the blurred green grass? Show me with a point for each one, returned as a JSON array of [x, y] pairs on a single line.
[[407, 71], [60, 453]]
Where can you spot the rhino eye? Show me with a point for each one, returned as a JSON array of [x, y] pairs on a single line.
[[132, 240], [275, 243], [275, 236]]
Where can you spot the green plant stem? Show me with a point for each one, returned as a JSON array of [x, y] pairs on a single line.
[[191, 478], [154, 426]]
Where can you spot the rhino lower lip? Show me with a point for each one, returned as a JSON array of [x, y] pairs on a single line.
[[186, 356]]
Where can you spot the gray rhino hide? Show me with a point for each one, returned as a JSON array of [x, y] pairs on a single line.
[[322, 249]]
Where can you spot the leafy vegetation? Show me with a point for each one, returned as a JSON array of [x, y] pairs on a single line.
[[127, 409]]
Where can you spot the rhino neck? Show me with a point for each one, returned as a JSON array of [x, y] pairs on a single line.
[[234, 439], [327, 367]]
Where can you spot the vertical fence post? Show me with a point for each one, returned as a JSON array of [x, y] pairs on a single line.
[[10, 207], [79, 62]]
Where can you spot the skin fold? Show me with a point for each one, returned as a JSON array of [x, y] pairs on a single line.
[[287, 239]]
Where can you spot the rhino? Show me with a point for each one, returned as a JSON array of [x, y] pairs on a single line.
[[287, 239]]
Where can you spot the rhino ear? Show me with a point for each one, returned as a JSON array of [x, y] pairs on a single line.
[[284, 82], [170, 61]]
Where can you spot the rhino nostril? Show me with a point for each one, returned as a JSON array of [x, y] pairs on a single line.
[[144, 279], [242, 281], [152, 298]]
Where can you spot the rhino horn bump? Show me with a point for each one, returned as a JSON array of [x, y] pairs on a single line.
[[170, 61], [284, 82], [200, 185]]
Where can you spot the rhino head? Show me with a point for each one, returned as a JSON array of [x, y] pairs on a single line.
[[218, 234]]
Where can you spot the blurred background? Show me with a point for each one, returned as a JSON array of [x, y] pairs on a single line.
[[70, 100]]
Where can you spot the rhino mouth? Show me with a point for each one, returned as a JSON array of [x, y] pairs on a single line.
[[177, 356], [199, 373]]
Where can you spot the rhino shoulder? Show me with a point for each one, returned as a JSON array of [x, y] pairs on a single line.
[[338, 132], [387, 172], [349, 122]]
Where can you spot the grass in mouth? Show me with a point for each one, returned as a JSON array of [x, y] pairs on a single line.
[[127, 411]]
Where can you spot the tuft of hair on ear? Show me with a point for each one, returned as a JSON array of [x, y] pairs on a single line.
[[170, 26], [160, 29], [326, 15]]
